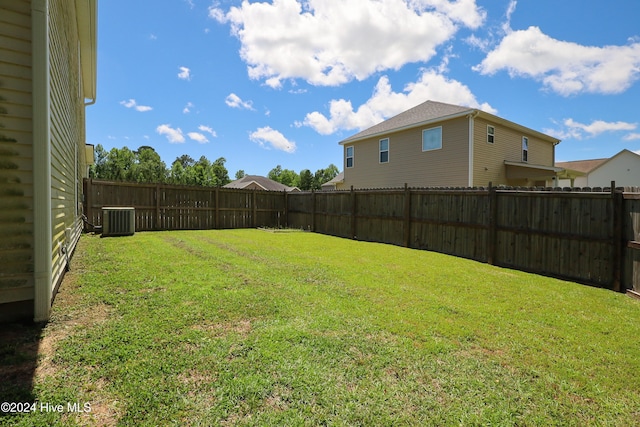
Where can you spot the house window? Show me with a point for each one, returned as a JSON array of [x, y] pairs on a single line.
[[432, 139], [525, 149], [350, 157], [491, 132], [384, 150]]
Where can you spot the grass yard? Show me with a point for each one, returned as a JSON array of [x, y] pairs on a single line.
[[243, 327]]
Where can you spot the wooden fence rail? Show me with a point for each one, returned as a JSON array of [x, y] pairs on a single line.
[[590, 236]]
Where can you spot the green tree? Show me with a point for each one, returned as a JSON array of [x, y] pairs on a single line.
[[185, 160], [306, 180], [148, 166], [220, 172], [177, 174], [119, 164], [324, 175], [290, 178], [284, 176], [275, 173], [99, 169], [240, 174]]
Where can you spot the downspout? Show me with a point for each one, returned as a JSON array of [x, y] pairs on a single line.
[[471, 138], [41, 159]]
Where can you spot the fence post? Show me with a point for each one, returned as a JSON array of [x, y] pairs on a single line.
[[407, 215], [216, 218], [493, 212], [157, 219], [313, 211], [353, 213], [286, 209], [617, 211], [88, 182], [254, 212]]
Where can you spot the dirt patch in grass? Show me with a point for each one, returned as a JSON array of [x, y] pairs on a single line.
[[222, 329], [56, 331]]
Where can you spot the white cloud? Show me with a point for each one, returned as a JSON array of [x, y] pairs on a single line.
[[196, 136], [575, 130], [187, 108], [208, 130], [267, 137], [218, 14], [174, 136], [632, 137], [506, 27], [133, 104], [385, 103], [564, 67], [234, 101], [331, 42], [184, 74]]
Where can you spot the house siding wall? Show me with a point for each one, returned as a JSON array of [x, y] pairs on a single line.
[[67, 132], [488, 164], [16, 154], [624, 169], [408, 163]]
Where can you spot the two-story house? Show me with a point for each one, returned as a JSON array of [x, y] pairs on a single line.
[[443, 145]]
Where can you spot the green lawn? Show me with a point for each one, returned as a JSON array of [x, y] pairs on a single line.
[[245, 327]]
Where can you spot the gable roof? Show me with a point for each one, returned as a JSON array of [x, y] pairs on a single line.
[[620, 153], [261, 181], [584, 166], [433, 111], [337, 180], [425, 112]]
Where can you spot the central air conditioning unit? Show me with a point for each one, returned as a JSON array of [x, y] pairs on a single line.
[[118, 221]]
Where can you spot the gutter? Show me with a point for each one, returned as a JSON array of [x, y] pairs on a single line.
[[41, 126], [87, 19]]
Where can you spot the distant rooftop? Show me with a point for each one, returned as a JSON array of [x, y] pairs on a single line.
[[259, 181]]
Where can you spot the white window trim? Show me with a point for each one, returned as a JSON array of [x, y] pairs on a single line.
[[380, 150], [489, 134], [346, 156], [441, 138], [524, 138]]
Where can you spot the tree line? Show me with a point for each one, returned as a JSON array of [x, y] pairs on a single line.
[[144, 165]]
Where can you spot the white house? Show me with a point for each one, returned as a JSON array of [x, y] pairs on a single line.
[[623, 168]]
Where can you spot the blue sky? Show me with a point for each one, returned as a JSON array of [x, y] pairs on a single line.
[[281, 82]]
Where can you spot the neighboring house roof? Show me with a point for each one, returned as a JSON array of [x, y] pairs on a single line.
[[432, 111], [584, 166], [260, 181], [332, 184], [622, 152]]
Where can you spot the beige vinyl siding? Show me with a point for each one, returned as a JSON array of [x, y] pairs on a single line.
[[67, 130], [408, 163], [16, 174], [488, 163]]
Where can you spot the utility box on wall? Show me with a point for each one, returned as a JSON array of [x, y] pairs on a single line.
[[118, 221]]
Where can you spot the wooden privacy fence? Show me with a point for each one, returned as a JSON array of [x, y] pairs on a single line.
[[171, 207], [590, 236], [584, 235]]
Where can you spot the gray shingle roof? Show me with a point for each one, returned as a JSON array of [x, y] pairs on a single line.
[[585, 166], [424, 112], [264, 182]]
